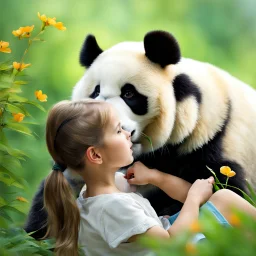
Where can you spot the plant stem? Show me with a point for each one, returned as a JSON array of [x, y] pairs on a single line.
[[226, 182]]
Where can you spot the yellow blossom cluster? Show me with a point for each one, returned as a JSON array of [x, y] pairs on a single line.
[[23, 32], [20, 66], [47, 21]]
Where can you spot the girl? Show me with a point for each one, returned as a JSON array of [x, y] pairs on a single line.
[[87, 137]]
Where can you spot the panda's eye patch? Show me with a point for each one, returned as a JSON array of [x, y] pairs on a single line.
[[137, 102], [96, 92]]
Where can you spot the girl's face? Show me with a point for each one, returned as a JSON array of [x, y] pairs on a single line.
[[116, 150]]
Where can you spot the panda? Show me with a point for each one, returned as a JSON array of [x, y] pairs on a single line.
[[195, 114]]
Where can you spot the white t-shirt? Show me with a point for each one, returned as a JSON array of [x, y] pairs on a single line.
[[109, 220]]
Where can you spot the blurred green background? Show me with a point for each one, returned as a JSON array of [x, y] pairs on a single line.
[[220, 32]]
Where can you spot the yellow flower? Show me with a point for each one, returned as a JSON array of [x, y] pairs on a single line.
[[18, 117], [47, 21], [59, 25], [4, 47], [234, 220], [40, 96], [50, 22], [190, 248], [21, 199], [20, 66], [195, 227], [23, 31], [17, 32], [225, 170]]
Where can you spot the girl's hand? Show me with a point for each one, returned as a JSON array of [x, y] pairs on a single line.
[[139, 174], [201, 190]]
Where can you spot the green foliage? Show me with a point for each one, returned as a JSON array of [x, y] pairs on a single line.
[[218, 32], [13, 109], [16, 241], [220, 240], [218, 185]]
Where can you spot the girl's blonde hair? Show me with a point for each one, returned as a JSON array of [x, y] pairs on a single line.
[[72, 126]]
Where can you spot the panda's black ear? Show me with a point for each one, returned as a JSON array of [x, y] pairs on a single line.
[[90, 51], [162, 48]]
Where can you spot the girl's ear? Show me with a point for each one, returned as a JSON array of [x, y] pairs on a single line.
[[93, 155]]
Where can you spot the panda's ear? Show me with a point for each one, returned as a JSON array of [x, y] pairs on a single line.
[[162, 48], [90, 51]]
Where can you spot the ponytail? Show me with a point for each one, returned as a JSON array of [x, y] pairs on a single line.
[[71, 128], [63, 214]]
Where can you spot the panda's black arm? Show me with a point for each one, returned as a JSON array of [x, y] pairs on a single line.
[[37, 217]]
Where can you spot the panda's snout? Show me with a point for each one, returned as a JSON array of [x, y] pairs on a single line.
[[128, 130]]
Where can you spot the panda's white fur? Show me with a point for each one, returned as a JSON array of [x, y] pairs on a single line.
[[167, 120]]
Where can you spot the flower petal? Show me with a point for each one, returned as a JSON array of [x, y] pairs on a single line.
[[18, 117], [43, 98], [225, 170], [51, 21], [6, 50], [231, 174], [38, 93], [16, 65], [60, 26]]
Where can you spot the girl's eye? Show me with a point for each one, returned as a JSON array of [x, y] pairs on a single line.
[[119, 131]]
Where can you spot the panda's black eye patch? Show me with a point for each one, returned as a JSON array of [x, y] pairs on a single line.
[[96, 92], [135, 100]]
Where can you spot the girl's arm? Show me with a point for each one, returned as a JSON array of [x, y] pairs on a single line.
[[173, 186], [198, 194]]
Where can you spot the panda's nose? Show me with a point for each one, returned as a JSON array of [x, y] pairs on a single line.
[[128, 130]]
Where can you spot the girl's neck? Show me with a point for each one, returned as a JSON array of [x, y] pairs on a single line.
[[100, 182], [92, 191]]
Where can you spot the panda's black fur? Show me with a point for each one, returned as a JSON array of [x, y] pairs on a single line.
[[151, 83]]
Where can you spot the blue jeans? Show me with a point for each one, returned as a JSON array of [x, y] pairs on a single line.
[[210, 207]]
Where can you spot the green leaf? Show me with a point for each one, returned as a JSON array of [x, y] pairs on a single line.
[[216, 178], [9, 162], [35, 104], [246, 197], [4, 85], [32, 123], [11, 92], [216, 187], [18, 128], [20, 82], [149, 140], [15, 97], [12, 209], [5, 215], [13, 152], [251, 190], [2, 201], [10, 179], [5, 66], [17, 108]]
